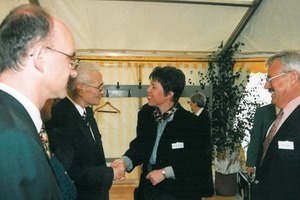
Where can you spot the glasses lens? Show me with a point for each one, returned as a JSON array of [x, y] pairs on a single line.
[[74, 63]]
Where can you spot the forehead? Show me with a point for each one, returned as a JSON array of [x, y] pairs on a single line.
[[96, 76], [275, 66], [62, 36], [155, 82]]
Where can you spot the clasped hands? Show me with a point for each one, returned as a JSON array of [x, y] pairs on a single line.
[[119, 168]]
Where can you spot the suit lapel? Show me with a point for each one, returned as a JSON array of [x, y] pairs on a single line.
[[78, 121], [20, 115], [282, 134]]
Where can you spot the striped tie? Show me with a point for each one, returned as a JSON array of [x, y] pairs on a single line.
[[271, 133]]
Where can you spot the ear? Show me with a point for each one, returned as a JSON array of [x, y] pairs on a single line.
[[295, 76], [37, 53], [79, 89], [170, 95]]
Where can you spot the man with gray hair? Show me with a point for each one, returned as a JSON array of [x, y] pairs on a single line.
[[76, 139], [198, 104], [279, 156]]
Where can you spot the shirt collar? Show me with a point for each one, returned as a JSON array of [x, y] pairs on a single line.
[[290, 107], [77, 106], [199, 112]]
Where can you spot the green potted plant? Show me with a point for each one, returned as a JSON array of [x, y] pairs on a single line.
[[231, 115]]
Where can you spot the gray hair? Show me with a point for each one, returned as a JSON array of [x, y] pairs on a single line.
[[289, 59], [199, 98], [83, 75]]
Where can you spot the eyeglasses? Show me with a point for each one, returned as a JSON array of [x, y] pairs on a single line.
[[73, 60], [100, 88], [268, 79]]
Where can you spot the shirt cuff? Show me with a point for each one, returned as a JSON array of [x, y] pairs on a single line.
[[128, 163], [169, 172]]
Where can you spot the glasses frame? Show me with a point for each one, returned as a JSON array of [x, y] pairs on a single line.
[[73, 60], [268, 80], [100, 88]]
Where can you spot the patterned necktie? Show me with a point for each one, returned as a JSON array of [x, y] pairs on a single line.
[[271, 133], [85, 119], [66, 184], [45, 140]]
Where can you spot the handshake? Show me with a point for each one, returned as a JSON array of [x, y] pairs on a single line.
[[119, 167]]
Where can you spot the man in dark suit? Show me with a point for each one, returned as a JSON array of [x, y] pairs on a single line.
[[279, 157], [263, 118], [198, 104], [31, 72], [169, 142], [77, 143]]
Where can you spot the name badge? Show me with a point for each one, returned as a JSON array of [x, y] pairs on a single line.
[[177, 145], [288, 145]]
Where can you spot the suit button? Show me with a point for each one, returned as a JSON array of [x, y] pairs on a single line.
[[256, 182]]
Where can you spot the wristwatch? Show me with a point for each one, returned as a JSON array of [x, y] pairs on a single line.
[[164, 173]]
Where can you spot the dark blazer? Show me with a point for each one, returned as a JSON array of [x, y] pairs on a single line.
[[186, 161], [278, 177], [263, 118], [207, 182], [25, 172], [82, 157]]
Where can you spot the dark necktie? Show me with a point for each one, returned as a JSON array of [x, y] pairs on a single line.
[[271, 133], [85, 119]]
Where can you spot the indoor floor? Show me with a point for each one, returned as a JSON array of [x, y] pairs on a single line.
[[125, 192]]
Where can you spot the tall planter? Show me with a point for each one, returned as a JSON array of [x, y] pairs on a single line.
[[227, 166], [230, 120], [232, 114]]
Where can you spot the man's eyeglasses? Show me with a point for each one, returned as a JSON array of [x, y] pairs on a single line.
[[73, 60], [100, 88], [269, 79]]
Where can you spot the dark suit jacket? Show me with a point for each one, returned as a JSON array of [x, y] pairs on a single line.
[[207, 181], [25, 172], [83, 157], [279, 176], [186, 161], [263, 118]]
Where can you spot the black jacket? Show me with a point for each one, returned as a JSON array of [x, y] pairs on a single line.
[[83, 157]]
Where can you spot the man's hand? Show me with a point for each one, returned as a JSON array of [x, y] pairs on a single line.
[[155, 176], [119, 168]]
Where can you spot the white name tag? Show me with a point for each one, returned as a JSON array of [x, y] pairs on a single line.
[[177, 145], [286, 145]]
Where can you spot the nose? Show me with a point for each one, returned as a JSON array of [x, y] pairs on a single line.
[[148, 89], [102, 91], [267, 85]]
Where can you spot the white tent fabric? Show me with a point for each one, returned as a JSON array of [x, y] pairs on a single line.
[[184, 28]]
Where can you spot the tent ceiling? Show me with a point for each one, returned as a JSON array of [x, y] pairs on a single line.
[[182, 28]]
